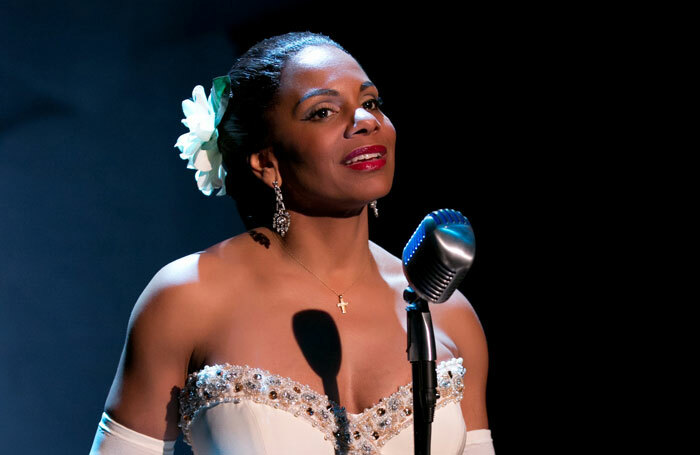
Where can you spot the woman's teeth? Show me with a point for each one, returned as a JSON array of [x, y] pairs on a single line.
[[368, 156]]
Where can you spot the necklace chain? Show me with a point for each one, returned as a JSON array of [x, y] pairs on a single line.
[[341, 304]]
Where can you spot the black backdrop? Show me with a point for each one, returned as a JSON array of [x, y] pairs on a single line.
[[491, 107]]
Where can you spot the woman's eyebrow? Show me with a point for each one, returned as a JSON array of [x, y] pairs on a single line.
[[328, 91]]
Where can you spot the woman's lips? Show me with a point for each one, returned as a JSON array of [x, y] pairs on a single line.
[[368, 165], [365, 151], [367, 162]]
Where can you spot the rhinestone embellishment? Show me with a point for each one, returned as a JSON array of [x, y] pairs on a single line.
[[352, 434]]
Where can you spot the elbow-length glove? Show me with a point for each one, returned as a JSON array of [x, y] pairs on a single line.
[[479, 442], [113, 438]]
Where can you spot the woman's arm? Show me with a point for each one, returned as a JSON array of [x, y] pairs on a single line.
[[112, 438], [142, 405], [457, 318]]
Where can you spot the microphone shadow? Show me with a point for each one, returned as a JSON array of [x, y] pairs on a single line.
[[319, 341]]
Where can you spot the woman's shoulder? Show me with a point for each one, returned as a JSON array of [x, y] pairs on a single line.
[[170, 297], [389, 265], [198, 277], [209, 266], [453, 315], [236, 261]]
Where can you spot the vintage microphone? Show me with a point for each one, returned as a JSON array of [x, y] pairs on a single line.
[[435, 260]]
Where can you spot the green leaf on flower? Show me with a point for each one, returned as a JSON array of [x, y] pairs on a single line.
[[220, 92]]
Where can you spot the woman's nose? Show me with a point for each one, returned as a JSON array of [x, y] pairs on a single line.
[[364, 122]]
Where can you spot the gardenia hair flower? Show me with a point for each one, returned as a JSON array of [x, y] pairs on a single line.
[[199, 147]]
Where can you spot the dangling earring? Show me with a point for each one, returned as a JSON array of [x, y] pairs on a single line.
[[373, 204], [281, 219]]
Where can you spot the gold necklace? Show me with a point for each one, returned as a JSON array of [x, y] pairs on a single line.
[[341, 303]]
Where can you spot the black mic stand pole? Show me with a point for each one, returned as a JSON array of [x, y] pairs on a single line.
[[421, 354]]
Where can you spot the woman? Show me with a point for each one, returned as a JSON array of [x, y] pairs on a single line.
[[248, 346]]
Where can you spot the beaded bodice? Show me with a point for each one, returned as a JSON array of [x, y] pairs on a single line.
[[351, 434]]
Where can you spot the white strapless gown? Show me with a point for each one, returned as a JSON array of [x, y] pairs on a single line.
[[240, 410]]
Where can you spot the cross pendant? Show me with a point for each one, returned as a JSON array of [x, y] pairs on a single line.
[[342, 304]]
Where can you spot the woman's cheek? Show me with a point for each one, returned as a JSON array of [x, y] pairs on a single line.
[[389, 125]]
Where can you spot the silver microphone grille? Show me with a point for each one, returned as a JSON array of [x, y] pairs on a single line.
[[439, 254]]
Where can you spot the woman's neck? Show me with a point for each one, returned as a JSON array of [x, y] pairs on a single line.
[[335, 249]]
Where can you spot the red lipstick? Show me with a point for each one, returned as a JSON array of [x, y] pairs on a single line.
[[369, 162], [365, 150], [370, 165]]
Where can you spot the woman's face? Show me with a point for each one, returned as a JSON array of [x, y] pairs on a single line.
[[327, 109]]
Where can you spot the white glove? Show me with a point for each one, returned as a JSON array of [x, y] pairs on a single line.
[[113, 438], [479, 442]]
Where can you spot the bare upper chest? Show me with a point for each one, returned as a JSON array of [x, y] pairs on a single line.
[[289, 324], [294, 329]]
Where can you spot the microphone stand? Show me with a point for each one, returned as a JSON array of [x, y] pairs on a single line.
[[421, 354]]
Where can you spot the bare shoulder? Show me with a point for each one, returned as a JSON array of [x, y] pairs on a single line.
[[169, 321], [195, 285], [458, 320], [390, 266], [241, 253], [175, 289], [184, 295], [158, 345], [456, 316], [206, 270]]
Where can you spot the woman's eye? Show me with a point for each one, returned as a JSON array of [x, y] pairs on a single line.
[[325, 112], [374, 103], [322, 113]]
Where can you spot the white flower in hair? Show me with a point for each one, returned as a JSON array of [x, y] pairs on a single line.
[[199, 146]]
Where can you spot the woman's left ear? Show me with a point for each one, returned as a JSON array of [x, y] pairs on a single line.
[[265, 166]]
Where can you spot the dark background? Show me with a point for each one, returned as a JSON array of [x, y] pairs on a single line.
[[493, 108]]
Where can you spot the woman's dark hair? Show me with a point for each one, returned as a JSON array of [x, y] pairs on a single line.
[[244, 129]]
